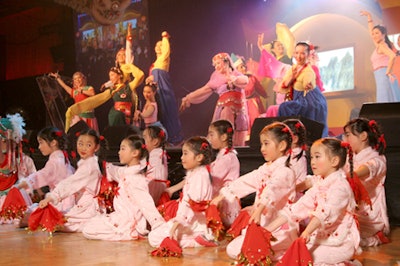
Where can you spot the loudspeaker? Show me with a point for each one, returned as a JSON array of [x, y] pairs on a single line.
[[387, 115], [314, 128]]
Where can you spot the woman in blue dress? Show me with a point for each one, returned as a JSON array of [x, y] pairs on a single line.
[[303, 97]]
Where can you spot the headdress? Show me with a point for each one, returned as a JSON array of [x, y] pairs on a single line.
[[12, 127], [237, 60]]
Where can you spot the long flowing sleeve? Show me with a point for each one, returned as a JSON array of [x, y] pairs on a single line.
[[87, 177], [163, 60]]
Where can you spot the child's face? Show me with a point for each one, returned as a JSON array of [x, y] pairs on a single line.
[[217, 141], [270, 148], [357, 142], [148, 93], [322, 163], [86, 146], [46, 148], [127, 155], [189, 159]]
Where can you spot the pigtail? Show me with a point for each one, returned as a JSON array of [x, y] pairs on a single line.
[[282, 133], [377, 139], [298, 129], [359, 191], [225, 127]]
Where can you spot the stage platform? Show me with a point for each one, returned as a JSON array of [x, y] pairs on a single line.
[[18, 247]]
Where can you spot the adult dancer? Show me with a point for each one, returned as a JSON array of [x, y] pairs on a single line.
[[159, 73]]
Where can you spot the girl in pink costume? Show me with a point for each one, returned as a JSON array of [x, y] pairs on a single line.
[[84, 184], [331, 236], [229, 84], [274, 184], [298, 161], [52, 143], [150, 110], [189, 226], [368, 144], [157, 169], [225, 168], [133, 204]]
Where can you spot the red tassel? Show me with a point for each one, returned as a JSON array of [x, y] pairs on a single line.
[[168, 248], [14, 205], [241, 221], [214, 221], [48, 218], [360, 193]]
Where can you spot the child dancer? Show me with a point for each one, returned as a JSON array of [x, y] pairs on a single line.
[[298, 161], [368, 144], [331, 235], [157, 169], [225, 168], [274, 184], [84, 184], [52, 143], [133, 204], [189, 226]]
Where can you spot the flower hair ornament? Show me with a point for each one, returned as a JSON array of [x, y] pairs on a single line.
[[204, 146], [229, 130], [144, 146]]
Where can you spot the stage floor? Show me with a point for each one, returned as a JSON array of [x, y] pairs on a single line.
[[18, 247]]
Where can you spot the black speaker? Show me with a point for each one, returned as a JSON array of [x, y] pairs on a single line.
[[387, 115], [314, 128]]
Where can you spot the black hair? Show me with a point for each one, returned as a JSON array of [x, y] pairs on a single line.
[[304, 44], [383, 30], [281, 132], [224, 127], [376, 138], [136, 142], [200, 145], [298, 129], [51, 133]]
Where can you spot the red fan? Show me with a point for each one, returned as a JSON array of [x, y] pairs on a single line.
[[14, 205], [168, 248], [168, 210], [241, 221], [214, 221], [297, 254], [256, 248], [108, 190], [48, 218], [164, 198]]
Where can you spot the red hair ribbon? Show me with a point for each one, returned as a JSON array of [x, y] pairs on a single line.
[[382, 140], [101, 138], [77, 134], [371, 123], [73, 154], [59, 133], [161, 134], [208, 167], [143, 146], [285, 129], [229, 130], [345, 144], [204, 146], [298, 125], [304, 147]]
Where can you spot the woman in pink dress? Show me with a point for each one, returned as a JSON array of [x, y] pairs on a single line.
[[84, 184], [274, 184], [229, 84], [368, 144], [189, 226], [331, 236], [133, 204]]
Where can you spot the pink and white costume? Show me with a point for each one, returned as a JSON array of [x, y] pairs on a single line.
[[274, 185], [54, 171], [84, 184], [224, 170], [331, 200], [375, 219], [299, 167], [197, 188], [157, 170], [133, 206]]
